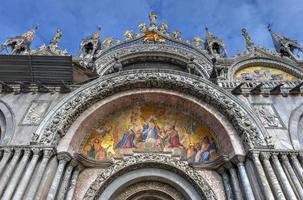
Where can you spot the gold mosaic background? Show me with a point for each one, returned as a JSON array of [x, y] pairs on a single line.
[[150, 128], [262, 73]]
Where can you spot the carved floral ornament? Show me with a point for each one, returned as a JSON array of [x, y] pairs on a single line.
[[58, 122], [139, 161]]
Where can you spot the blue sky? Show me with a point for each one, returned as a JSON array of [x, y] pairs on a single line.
[[225, 18]]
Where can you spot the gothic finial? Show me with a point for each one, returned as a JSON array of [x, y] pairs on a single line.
[[248, 40]]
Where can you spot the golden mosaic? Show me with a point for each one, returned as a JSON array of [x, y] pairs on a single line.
[[150, 128]]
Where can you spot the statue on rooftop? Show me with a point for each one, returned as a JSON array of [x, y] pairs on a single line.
[[20, 44], [56, 38], [249, 43], [153, 19]]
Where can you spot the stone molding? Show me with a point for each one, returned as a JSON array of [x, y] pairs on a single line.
[[129, 163], [57, 122], [203, 63], [143, 187]]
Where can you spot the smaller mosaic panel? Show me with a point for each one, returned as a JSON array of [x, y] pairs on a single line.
[[150, 128], [261, 73], [268, 116], [35, 112]]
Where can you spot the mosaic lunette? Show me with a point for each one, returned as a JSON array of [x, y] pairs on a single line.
[[150, 128]]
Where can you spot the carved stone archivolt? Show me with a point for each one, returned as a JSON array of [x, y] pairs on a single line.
[[58, 121], [129, 163], [158, 188], [203, 64]]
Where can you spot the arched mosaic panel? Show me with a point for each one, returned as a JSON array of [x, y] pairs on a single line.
[[263, 73], [151, 128]]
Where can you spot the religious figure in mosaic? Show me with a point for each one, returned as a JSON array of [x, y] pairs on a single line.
[[151, 129]]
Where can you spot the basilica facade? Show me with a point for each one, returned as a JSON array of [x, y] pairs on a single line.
[[151, 117]]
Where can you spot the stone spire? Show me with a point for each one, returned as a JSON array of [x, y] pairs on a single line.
[[284, 45], [214, 45]]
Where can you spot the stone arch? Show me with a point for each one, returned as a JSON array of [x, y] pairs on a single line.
[[296, 127], [58, 121], [151, 161], [226, 136], [171, 52], [244, 63], [6, 123]]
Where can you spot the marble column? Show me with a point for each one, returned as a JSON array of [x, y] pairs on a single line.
[[297, 166], [47, 153], [72, 187], [18, 172], [66, 180], [226, 183], [6, 156], [265, 156], [281, 174], [235, 183], [27, 174], [292, 174], [9, 170], [63, 159], [248, 193], [264, 183]]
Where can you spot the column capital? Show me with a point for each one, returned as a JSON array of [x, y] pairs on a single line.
[[17, 151], [47, 153], [284, 157], [238, 159], [36, 151], [254, 154], [27, 151], [294, 156], [265, 155], [64, 156], [7, 151]]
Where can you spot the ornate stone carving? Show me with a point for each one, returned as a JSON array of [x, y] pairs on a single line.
[[284, 45], [249, 43], [268, 115], [35, 113], [203, 64], [89, 48], [138, 161], [214, 45], [240, 117], [20, 44], [150, 186], [53, 48]]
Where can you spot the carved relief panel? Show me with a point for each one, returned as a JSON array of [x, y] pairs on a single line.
[[35, 112], [268, 116]]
